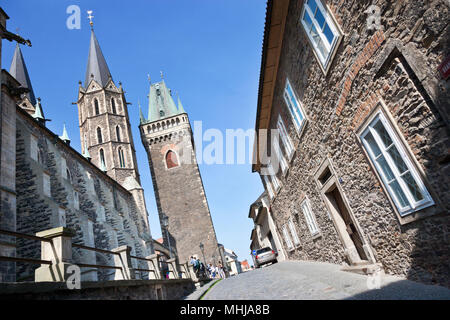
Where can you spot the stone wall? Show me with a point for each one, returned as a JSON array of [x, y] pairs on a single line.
[[395, 67], [102, 290], [82, 198]]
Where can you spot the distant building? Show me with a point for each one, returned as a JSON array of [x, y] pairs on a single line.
[[245, 266], [264, 233], [231, 258]]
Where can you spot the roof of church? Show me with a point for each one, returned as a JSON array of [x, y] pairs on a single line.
[[161, 104], [97, 68], [19, 71]]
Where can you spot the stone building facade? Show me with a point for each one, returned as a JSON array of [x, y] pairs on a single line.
[[180, 196], [48, 184], [358, 110]]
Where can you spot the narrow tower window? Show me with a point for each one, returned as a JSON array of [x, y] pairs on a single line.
[[97, 109], [171, 160], [102, 157], [121, 158], [99, 135], [113, 106], [118, 133]]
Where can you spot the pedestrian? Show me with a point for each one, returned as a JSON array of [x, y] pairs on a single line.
[[221, 272]]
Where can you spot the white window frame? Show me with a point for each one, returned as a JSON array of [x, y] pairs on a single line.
[[293, 232], [273, 178], [324, 62], [309, 217], [413, 204], [281, 158], [297, 114], [285, 138], [287, 239]]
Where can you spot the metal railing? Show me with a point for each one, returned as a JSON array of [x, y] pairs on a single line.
[[24, 236], [122, 260]]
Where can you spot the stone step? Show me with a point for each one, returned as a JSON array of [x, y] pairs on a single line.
[[365, 269]]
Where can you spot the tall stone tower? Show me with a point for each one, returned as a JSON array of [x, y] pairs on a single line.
[[105, 129], [167, 138]]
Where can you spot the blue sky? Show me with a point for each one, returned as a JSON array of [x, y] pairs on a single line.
[[209, 51]]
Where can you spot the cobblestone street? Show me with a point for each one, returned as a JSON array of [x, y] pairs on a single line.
[[313, 280]]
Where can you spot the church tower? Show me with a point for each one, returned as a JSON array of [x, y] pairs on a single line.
[[167, 137], [105, 129]]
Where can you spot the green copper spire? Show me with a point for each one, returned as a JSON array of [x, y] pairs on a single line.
[[38, 111], [160, 102], [180, 106], [86, 153], [65, 136], [141, 116]]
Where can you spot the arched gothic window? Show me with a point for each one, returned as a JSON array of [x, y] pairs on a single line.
[[118, 133], [121, 158], [40, 156], [171, 160], [102, 157], [113, 106], [69, 175], [97, 109], [99, 135]]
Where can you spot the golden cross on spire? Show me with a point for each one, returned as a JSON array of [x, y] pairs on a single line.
[[149, 79], [162, 75], [90, 16]]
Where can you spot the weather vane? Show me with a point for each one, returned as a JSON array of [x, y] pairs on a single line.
[[90, 16]]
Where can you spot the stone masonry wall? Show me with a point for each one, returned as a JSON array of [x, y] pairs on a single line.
[[395, 66], [102, 203]]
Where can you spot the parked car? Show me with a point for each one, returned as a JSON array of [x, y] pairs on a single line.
[[265, 255]]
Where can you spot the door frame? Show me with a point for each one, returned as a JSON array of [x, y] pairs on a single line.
[[327, 186]]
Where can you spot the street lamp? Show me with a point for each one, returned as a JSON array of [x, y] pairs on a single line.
[[165, 223], [203, 253]]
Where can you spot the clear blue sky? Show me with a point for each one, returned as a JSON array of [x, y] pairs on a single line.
[[210, 52]]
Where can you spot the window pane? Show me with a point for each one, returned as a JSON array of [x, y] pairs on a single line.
[[307, 20], [384, 135], [320, 19], [385, 168], [373, 145], [399, 194], [401, 166], [291, 109], [412, 186], [328, 33], [312, 5]]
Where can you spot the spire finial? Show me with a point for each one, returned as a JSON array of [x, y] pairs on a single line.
[[90, 17], [149, 79], [162, 75], [65, 136]]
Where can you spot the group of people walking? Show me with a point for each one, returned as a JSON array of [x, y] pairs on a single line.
[[211, 271]]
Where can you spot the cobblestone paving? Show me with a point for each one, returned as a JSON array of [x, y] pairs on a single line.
[[301, 280]]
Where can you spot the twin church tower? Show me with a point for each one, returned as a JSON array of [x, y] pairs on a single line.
[[166, 134]]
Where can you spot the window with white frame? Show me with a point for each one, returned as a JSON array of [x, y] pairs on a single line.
[[321, 30], [293, 232], [287, 142], [281, 158], [268, 186], [397, 172], [287, 239], [273, 177], [294, 107], [46, 184], [309, 217]]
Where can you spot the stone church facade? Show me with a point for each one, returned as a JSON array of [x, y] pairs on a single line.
[[358, 171], [45, 183]]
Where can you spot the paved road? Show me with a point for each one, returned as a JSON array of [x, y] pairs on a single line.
[[315, 280]]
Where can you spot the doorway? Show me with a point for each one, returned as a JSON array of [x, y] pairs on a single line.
[[356, 251]]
